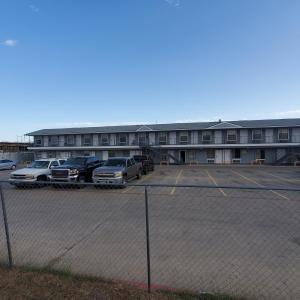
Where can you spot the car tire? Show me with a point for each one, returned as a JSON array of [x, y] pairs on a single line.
[[80, 180], [139, 174], [124, 182]]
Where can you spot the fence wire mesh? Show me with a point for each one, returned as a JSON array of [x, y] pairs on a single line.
[[242, 242]]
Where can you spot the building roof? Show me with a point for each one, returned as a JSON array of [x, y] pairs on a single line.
[[171, 127]]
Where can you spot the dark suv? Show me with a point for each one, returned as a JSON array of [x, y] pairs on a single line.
[[76, 169], [146, 161]]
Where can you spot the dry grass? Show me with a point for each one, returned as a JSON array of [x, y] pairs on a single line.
[[30, 283]]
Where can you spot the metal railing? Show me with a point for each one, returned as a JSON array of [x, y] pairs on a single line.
[[241, 241]]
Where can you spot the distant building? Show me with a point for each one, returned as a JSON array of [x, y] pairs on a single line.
[[221, 142], [16, 151]]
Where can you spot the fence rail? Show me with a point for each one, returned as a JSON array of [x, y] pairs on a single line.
[[240, 241]]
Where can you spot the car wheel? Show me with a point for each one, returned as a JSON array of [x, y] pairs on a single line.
[[40, 178], [13, 167], [139, 174], [124, 181], [80, 180]]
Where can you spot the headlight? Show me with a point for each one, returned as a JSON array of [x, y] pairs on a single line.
[[118, 174], [74, 172], [29, 176]]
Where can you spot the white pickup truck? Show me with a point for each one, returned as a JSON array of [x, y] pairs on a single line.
[[39, 170]]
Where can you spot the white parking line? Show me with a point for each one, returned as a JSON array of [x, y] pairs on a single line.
[[257, 183], [176, 182], [215, 183]]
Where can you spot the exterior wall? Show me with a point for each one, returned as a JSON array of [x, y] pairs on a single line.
[[296, 135], [95, 140], [244, 136], [194, 137], [78, 140], [61, 141], [270, 156], [269, 135], [172, 138], [152, 138], [247, 156], [112, 139], [131, 138], [45, 139]]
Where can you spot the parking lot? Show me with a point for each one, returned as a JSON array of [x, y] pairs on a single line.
[[227, 240]]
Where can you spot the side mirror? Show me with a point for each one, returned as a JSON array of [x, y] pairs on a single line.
[[52, 167]]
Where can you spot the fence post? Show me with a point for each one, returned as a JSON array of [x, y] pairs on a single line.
[[10, 262], [147, 241]]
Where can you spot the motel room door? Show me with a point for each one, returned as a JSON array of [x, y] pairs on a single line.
[[223, 156]]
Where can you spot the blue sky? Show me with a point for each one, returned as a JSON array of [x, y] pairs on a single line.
[[66, 63]]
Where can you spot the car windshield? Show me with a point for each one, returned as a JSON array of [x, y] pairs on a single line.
[[40, 164], [115, 163], [140, 158], [75, 161]]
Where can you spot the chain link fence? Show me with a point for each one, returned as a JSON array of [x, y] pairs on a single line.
[[236, 241]]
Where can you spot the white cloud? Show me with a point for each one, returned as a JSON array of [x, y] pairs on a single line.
[[175, 3], [289, 113], [9, 43], [34, 8]]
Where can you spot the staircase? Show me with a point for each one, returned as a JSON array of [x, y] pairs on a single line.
[[288, 159], [156, 154]]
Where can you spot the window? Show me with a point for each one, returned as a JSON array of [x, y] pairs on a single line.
[[104, 139], [162, 138], [129, 163], [38, 141], [210, 153], [87, 141], [122, 139], [206, 137], [184, 137], [231, 136], [53, 140], [70, 140], [237, 153], [142, 138], [192, 155], [54, 164], [256, 134], [283, 134]]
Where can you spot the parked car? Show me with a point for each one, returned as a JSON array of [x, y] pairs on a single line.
[[76, 169], [117, 171], [146, 161], [39, 170], [7, 164]]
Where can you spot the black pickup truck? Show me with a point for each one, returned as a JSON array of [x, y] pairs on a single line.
[[76, 169], [146, 161]]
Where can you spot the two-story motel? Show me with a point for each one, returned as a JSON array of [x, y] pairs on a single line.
[[221, 142]]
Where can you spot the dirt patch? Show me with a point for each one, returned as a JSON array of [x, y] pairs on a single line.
[[22, 284]]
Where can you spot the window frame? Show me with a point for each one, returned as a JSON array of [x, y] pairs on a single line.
[[279, 133], [184, 134], [104, 135], [68, 141], [230, 134], [162, 134], [122, 135], [206, 133], [253, 133]]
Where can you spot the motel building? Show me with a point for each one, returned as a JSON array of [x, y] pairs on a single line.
[[222, 142]]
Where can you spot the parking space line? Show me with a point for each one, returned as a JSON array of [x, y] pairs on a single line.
[[215, 183], [259, 184], [142, 180], [176, 182], [281, 178]]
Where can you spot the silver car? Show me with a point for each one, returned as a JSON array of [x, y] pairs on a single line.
[[7, 164]]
